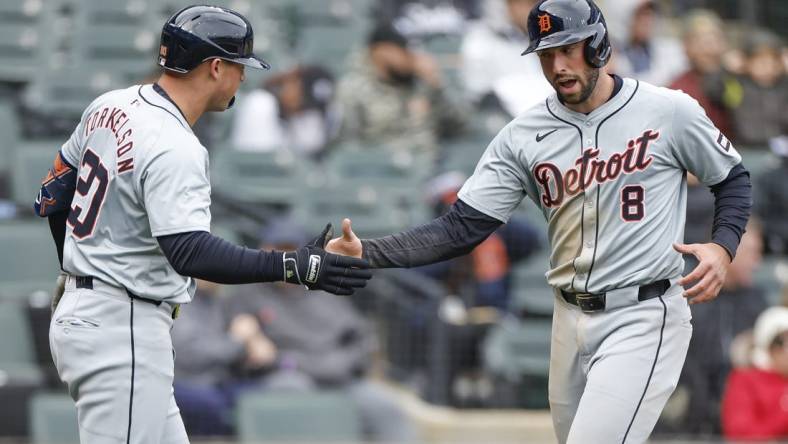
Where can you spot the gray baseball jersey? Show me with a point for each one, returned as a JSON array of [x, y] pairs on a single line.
[[611, 184], [142, 174]]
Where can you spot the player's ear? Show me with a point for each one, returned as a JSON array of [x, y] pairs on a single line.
[[214, 68]]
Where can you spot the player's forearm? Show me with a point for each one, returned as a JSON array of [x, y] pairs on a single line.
[[454, 234], [201, 255], [732, 205]]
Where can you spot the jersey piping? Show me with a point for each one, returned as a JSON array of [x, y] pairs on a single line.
[[139, 93], [582, 209], [653, 366], [596, 225]]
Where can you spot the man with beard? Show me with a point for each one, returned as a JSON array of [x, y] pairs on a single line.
[[394, 96], [605, 159]]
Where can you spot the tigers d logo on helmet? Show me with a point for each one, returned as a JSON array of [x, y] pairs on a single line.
[[545, 24]]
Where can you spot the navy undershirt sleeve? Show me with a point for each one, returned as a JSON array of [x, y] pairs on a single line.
[[57, 226], [201, 255], [455, 233], [732, 204]]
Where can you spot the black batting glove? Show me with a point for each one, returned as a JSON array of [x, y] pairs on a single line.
[[314, 267]]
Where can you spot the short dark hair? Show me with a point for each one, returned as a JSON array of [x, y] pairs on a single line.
[[386, 33]]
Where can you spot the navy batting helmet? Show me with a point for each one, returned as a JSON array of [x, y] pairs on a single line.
[[198, 33], [554, 23]]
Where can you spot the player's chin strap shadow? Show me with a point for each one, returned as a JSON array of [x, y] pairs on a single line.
[[232, 102]]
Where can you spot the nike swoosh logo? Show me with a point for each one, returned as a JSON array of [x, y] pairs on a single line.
[[540, 137]]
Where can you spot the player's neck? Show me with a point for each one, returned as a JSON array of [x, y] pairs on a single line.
[[601, 94], [188, 99]]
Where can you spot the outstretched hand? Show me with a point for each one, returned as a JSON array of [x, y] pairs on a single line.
[[318, 269], [708, 275], [348, 245]]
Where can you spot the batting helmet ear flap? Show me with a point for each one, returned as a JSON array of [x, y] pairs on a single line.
[[597, 49]]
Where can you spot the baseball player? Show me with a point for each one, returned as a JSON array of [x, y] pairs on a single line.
[[128, 204], [605, 159]]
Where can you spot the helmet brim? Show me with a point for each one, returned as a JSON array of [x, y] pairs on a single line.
[[252, 62], [559, 39]]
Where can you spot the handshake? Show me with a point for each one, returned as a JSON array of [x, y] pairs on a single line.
[[332, 265]]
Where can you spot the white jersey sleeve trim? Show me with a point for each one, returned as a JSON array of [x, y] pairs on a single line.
[[182, 229]]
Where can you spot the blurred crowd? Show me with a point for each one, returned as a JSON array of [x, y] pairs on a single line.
[[429, 329]]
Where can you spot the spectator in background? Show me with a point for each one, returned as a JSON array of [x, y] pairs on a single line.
[[208, 368], [757, 98], [292, 110], [771, 203], [642, 50], [704, 43], [714, 328], [320, 342], [394, 96], [493, 74], [755, 406]]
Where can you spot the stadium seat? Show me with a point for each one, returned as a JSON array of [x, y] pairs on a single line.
[[21, 11], [275, 178], [443, 44], [17, 357], [518, 351], [113, 12], [531, 296], [757, 160], [21, 51], [371, 212], [68, 91], [29, 262], [53, 419], [330, 45], [462, 155], [297, 417], [31, 161], [9, 128], [336, 9], [375, 166], [128, 53]]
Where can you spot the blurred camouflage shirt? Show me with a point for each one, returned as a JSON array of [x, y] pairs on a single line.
[[402, 117]]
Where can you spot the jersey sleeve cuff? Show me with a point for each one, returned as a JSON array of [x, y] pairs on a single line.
[[727, 239], [177, 230]]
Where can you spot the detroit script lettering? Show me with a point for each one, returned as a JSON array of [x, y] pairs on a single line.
[[556, 186]]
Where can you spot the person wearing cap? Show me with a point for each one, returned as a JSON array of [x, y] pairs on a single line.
[[395, 96], [755, 405]]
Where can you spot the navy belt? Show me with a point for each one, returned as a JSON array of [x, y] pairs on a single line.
[[86, 282], [593, 302]]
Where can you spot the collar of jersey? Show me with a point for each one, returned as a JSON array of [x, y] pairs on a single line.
[[613, 104], [153, 98]]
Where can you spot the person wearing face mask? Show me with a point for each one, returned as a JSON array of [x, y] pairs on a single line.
[[756, 399], [395, 96]]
